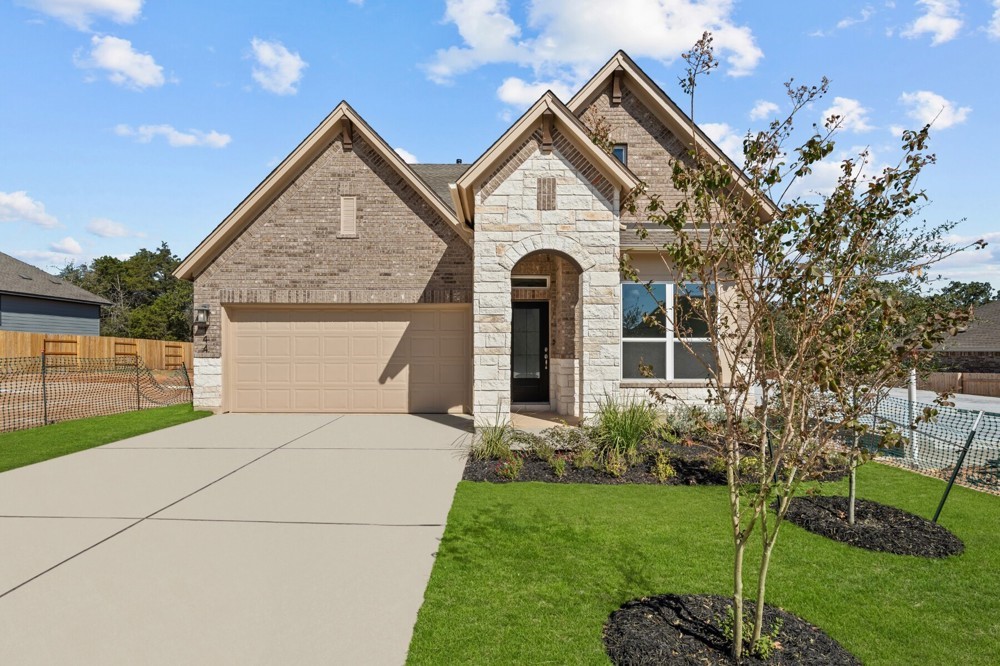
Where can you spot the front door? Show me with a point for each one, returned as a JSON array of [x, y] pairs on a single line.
[[529, 352]]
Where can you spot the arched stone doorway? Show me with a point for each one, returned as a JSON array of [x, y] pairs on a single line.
[[546, 332]]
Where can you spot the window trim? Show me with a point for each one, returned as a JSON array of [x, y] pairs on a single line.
[[529, 277], [669, 339]]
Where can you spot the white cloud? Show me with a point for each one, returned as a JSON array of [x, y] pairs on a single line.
[[407, 156], [19, 207], [81, 13], [67, 245], [941, 19], [973, 265], [852, 116], [726, 138], [925, 107], [125, 66], [763, 110], [993, 29], [277, 69], [105, 228], [520, 93], [174, 137], [848, 21], [47, 260], [566, 40]]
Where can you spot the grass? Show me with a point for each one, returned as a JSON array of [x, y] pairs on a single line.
[[528, 572], [26, 447]]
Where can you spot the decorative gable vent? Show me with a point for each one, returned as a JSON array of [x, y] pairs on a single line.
[[547, 193], [348, 216]]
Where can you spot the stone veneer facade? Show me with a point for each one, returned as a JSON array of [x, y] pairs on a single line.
[[584, 229]]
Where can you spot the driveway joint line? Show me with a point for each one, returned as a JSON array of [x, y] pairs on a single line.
[[293, 522], [128, 527]]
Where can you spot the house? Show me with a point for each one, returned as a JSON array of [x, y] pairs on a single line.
[[349, 280], [34, 301], [977, 348]]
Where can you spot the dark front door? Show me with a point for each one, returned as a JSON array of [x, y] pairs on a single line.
[[529, 353]]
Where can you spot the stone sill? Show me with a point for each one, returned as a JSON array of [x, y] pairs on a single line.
[[662, 383]]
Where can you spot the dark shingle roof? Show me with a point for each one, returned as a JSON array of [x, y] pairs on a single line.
[[17, 277], [439, 176], [983, 333]]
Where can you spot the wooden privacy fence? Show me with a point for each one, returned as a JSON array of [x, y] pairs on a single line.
[[155, 354], [969, 383]]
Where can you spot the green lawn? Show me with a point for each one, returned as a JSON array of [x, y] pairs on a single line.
[[25, 447], [528, 572]]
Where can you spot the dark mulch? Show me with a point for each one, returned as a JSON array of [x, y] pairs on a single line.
[[877, 527], [684, 629], [690, 471]]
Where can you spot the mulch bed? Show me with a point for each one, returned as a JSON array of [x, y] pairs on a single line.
[[684, 629], [877, 527], [690, 471]]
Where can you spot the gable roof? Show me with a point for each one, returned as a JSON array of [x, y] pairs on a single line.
[[563, 119], [665, 109], [439, 176], [982, 333], [291, 168], [21, 279]]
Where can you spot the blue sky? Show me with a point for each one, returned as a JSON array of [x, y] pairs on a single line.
[[124, 123]]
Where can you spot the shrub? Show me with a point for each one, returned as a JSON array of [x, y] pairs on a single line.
[[558, 464], [765, 645], [510, 468], [493, 440], [615, 463], [585, 458], [567, 439], [662, 469], [621, 425]]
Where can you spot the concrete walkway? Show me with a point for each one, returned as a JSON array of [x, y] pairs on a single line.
[[236, 539]]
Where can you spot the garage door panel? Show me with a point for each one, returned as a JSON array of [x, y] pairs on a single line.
[[341, 359]]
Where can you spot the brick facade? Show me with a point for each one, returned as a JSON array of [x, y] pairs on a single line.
[[403, 252]]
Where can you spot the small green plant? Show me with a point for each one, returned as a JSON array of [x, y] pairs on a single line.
[[510, 468], [717, 465], [663, 470], [558, 464], [615, 463], [750, 466], [567, 439], [543, 450], [765, 645], [622, 425], [585, 458], [493, 440]]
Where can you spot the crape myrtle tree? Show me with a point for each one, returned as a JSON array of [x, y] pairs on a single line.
[[816, 266]]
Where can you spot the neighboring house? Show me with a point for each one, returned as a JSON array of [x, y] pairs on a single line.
[[349, 280], [977, 349], [34, 301]]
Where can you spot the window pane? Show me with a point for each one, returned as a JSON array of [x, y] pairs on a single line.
[[688, 305], [653, 354], [693, 366], [638, 302], [620, 151]]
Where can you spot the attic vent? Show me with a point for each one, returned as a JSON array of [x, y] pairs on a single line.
[[547, 193], [348, 216], [24, 277]]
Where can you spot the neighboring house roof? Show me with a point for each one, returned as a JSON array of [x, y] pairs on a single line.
[[343, 120], [440, 176], [21, 279], [982, 334], [548, 106], [666, 111]]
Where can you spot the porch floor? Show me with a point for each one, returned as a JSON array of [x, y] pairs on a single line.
[[536, 421]]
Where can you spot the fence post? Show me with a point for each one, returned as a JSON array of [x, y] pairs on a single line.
[[45, 394], [911, 396], [958, 465], [138, 393], [187, 380]]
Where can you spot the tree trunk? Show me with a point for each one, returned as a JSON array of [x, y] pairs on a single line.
[[738, 602], [765, 562], [852, 486]]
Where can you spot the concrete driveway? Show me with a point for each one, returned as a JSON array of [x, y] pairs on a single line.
[[236, 539]]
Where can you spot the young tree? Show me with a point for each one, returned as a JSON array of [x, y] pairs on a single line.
[[816, 268]]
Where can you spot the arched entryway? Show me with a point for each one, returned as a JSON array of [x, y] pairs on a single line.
[[546, 332]]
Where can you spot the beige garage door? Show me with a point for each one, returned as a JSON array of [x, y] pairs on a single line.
[[357, 359]]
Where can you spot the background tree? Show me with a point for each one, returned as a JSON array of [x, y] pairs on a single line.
[[147, 301], [817, 267], [968, 294]]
